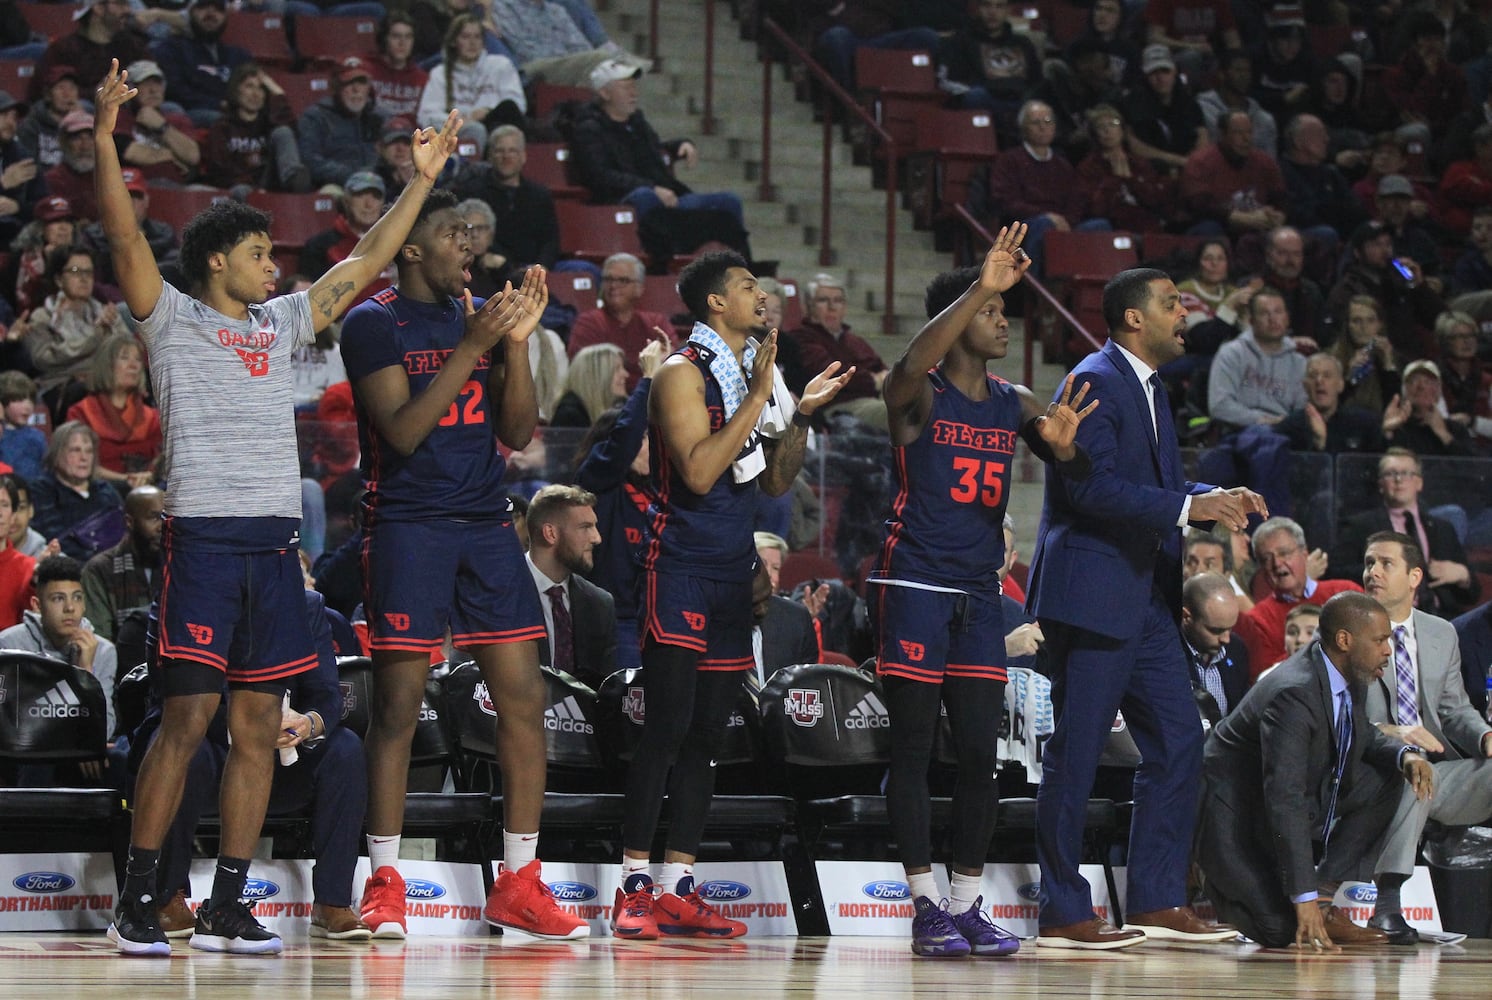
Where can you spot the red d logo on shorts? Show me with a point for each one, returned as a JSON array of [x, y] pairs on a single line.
[[398, 622], [201, 634], [913, 651], [694, 620]]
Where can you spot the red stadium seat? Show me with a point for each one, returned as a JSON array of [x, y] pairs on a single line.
[[951, 146], [1065, 21], [51, 19], [178, 206], [262, 34], [792, 304], [660, 294], [332, 39], [806, 565], [576, 289], [1158, 245], [595, 232], [895, 71], [297, 217], [302, 90], [15, 76], [1077, 266], [548, 164], [546, 96]]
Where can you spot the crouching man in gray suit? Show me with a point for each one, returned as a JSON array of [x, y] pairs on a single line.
[[1421, 699], [1299, 786]]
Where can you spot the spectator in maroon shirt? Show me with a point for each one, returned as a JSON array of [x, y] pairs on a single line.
[[1231, 186], [1426, 88], [73, 177], [825, 337], [397, 79], [619, 321]]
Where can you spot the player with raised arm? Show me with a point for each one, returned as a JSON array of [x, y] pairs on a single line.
[[936, 606], [232, 601]]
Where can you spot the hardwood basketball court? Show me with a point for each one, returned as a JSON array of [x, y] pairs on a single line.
[[84, 966]]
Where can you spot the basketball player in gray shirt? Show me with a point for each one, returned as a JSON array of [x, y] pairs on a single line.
[[232, 603]]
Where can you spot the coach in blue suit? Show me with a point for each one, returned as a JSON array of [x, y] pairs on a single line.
[[1106, 586]]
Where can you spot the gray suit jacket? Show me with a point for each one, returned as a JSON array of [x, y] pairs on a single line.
[[1444, 709]]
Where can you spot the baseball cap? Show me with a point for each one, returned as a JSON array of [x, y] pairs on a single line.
[[76, 120], [1369, 230], [61, 72], [611, 71], [398, 127], [134, 181], [350, 69], [7, 103], [365, 180], [144, 69], [1422, 365], [53, 208], [1156, 57], [1395, 184]]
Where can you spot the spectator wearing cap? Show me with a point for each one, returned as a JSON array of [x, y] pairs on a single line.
[[1409, 304], [1165, 121], [1467, 184], [21, 184], [157, 141], [253, 144], [525, 228], [38, 133], [398, 81], [1231, 187], [1235, 78], [361, 205], [1284, 62], [54, 225], [396, 155], [339, 135], [550, 47], [1418, 418], [1412, 238], [198, 63], [485, 88], [107, 30], [619, 158], [1194, 30], [989, 66], [73, 177], [160, 235], [1425, 88]]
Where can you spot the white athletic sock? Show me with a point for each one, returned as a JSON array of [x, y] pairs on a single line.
[[518, 850], [963, 890], [923, 884], [383, 852], [635, 866], [670, 874]]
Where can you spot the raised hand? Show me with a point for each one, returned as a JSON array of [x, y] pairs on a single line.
[[823, 388], [431, 149], [1395, 414], [512, 315], [653, 353], [1006, 262], [111, 94], [1058, 427], [763, 368]]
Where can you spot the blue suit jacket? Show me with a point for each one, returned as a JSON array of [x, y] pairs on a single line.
[[1106, 540]]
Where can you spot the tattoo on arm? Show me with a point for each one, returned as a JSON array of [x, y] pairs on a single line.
[[784, 461], [326, 300]]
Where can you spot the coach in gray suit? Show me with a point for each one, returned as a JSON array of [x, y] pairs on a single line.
[[1421, 699]]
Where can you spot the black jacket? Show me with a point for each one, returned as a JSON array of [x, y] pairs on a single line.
[[611, 158]]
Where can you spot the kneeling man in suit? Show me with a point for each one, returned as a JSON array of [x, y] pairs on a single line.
[[1299, 786]]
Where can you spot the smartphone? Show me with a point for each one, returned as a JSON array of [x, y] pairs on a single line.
[[1402, 268]]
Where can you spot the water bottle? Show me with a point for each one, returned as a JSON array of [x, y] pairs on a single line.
[[1489, 696]]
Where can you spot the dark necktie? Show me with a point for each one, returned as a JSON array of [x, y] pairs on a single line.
[[1165, 431], [563, 640], [1344, 744]]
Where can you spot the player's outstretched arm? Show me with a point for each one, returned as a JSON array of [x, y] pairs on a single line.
[[134, 262], [1052, 432], [907, 393], [677, 406], [334, 291], [785, 455]]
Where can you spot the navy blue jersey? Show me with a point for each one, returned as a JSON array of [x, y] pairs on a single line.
[[709, 535], [621, 502], [457, 471], [953, 484]]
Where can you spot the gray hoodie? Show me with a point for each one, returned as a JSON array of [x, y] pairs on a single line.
[[29, 637]]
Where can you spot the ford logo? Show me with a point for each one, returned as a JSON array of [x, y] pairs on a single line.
[[1365, 893], [44, 882], [260, 888], [418, 888], [572, 892], [724, 890], [886, 890], [1031, 890]]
